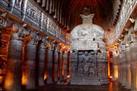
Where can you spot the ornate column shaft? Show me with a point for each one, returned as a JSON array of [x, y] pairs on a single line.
[[133, 77], [68, 63], [53, 64], [59, 65], [24, 66], [133, 68], [5, 36], [121, 73], [46, 65], [37, 63], [128, 77], [124, 74], [62, 65], [25, 38]]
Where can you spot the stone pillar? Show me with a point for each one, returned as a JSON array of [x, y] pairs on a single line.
[[133, 77], [19, 59], [128, 56], [133, 68], [46, 65], [65, 66], [119, 70], [53, 64], [24, 60], [68, 67], [121, 73], [124, 74], [6, 67], [37, 66], [128, 77], [62, 66], [68, 63], [24, 66], [31, 62], [127, 70], [59, 66], [125, 64], [41, 63]]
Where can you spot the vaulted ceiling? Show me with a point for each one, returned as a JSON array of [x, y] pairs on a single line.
[[66, 12]]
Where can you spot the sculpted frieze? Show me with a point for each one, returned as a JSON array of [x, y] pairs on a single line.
[[51, 27], [44, 21], [4, 3], [28, 12], [18, 4], [127, 8], [33, 14], [17, 7]]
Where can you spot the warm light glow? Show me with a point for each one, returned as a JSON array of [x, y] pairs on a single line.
[[68, 76], [9, 81], [1, 79], [109, 70], [115, 53], [115, 72], [108, 59], [24, 79], [63, 47], [45, 77], [110, 77], [111, 86]]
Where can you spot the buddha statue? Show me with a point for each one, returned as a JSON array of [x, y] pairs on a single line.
[[90, 51], [87, 35]]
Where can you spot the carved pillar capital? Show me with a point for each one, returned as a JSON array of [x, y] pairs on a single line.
[[3, 19], [36, 38]]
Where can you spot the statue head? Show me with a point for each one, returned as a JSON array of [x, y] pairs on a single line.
[[87, 18], [86, 15], [86, 10]]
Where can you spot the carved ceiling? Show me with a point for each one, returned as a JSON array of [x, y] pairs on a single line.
[[66, 12]]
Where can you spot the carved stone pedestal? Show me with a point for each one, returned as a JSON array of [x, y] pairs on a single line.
[[89, 69]]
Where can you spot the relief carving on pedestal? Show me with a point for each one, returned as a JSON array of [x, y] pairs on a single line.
[[87, 65]]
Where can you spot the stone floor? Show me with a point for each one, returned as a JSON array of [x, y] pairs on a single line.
[[110, 87]]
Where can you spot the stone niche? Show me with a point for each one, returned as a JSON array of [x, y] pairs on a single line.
[[89, 63]]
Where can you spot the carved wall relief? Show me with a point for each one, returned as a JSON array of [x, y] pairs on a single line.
[[44, 21], [33, 14], [87, 69], [5, 3]]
